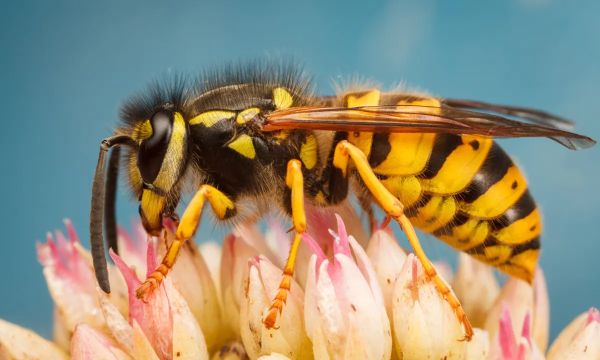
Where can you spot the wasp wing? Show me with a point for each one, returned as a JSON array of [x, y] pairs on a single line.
[[536, 116], [416, 119]]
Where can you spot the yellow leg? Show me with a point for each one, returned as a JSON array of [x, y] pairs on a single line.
[[223, 208], [394, 209], [295, 182]]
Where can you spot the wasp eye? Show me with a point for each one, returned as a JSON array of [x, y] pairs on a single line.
[[153, 149]]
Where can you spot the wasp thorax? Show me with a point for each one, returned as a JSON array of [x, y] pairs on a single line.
[[154, 147]]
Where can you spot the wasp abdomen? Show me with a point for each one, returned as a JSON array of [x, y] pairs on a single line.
[[463, 189]]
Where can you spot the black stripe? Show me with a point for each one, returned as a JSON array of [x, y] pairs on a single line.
[[520, 209], [443, 146], [380, 149], [459, 219], [412, 210], [533, 244], [480, 249], [493, 169]]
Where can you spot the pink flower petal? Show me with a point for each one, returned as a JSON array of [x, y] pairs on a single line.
[[88, 343], [154, 315]]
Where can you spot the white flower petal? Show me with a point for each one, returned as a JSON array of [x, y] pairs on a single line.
[[234, 261], [289, 338], [192, 279], [425, 325], [476, 287], [522, 298], [479, 346], [19, 343], [91, 344], [231, 350], [579, 340]]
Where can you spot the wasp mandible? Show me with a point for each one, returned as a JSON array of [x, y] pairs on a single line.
[[248, 138]]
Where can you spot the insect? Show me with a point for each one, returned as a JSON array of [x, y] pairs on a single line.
[[249, 138]]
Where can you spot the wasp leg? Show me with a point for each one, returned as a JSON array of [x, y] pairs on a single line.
[[223, 208], [394, 209], [295, 182]]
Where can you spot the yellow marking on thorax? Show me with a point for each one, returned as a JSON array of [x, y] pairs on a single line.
[[167, 176], [460, 167], [521, 230], [362, 140], [244, 146], [499, 197], [435, 214], [282, 98], [212, 117], [406, 188], [246, 115], [467, 235], [308, 151], [408, 155]]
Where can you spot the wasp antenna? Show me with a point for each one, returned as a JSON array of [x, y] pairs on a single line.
[[97, 210], [110, 196]]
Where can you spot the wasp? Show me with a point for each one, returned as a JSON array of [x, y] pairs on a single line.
[[251, 138]]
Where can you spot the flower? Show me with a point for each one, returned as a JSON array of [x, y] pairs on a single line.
[[289, 337], [345, 313], [425, 326], [580, 339], [345, 302]]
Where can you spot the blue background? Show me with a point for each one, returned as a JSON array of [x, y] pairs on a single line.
[[66, 66]]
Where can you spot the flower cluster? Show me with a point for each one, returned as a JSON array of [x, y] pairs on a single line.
[[349, 300]]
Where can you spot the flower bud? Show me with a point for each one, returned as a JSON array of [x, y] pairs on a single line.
[[425, 325], [192, 279], [89, 344], [522, 298], [164, 316], [579, 340], [20, 343], [509, 344], [344, 308], [476, 287], [288, 337]]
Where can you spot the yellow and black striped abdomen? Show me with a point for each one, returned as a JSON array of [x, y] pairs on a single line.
[[463, 189]]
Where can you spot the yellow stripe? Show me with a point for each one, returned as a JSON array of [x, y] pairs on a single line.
[[282, 98], [212, 117], [499, 197], [362, 140], [308, 152], [244, 146], [169, 170], [467, 235], [406, 188], [524, 265], [408, 155], [521, 230], [152, 206], [460, 167], [435, 214]]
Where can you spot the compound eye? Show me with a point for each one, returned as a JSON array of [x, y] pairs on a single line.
[[153, 149]]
